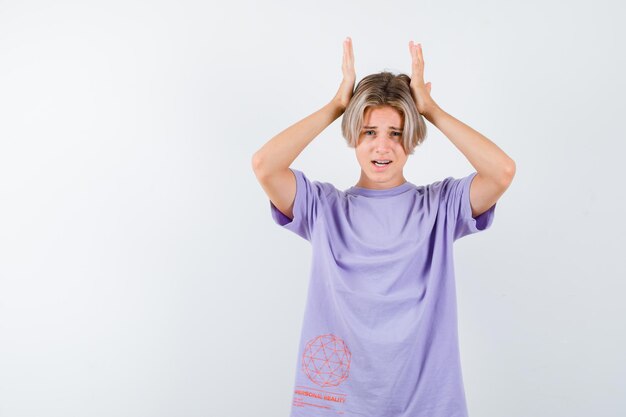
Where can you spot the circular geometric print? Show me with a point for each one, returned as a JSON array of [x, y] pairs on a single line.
[[326, 360]]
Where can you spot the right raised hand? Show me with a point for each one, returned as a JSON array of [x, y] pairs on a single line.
[[344, 94]]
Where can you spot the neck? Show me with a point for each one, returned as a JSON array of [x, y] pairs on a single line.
[[365, 182]]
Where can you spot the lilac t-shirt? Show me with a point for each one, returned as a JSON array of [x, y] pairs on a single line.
[[379, 333]]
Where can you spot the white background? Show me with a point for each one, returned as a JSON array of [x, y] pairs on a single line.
[[141, 273]]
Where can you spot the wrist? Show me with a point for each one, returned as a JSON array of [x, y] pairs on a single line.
[[432, 112], [336, 107]]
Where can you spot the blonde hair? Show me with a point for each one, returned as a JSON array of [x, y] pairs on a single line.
[[384, 89]]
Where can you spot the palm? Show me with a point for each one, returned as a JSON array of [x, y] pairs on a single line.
[[344, 94], [420, 91]]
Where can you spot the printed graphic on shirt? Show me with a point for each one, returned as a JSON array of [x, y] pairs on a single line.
[[326, 362]]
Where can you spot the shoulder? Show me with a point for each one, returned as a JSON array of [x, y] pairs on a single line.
[[449, 184], [437, 189], [320, 189]]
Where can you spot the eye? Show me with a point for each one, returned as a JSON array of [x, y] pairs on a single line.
[[367, 131], [397, 133]]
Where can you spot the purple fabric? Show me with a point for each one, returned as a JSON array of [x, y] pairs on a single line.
[[379, 334]]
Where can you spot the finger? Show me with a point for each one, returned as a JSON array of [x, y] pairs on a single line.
[[414, 60], [344, 62], [350, 52], [418, 62], [418, 54], [411, 51], [349, 57]]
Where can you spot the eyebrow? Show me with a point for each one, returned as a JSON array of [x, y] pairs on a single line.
[[376, 127]]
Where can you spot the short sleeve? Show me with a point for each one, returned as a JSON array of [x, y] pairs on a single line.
[[310, 196], [456, 199]]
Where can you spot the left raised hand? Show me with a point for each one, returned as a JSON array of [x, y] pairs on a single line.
[[420, 91]]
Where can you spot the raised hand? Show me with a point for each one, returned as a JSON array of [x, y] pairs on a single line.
[[419, 90], [344, 94]]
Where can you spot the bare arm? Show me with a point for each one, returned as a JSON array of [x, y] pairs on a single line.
[[495, 169], [272, 161], [485, 156], [280, 151]]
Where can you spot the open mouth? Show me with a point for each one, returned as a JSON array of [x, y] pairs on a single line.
[[381, 163]]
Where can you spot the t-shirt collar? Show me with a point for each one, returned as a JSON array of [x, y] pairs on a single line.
[[368, 192]]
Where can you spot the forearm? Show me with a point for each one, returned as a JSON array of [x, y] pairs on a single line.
[[484, 155], [280, 151]]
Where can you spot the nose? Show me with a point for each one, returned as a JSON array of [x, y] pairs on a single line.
[[383, 144]]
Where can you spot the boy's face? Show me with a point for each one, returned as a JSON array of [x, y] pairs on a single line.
[[380, 139]]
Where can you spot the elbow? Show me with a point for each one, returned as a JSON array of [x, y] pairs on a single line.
[[259, 166], [510, 169], [509, 172], [256, 162]]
